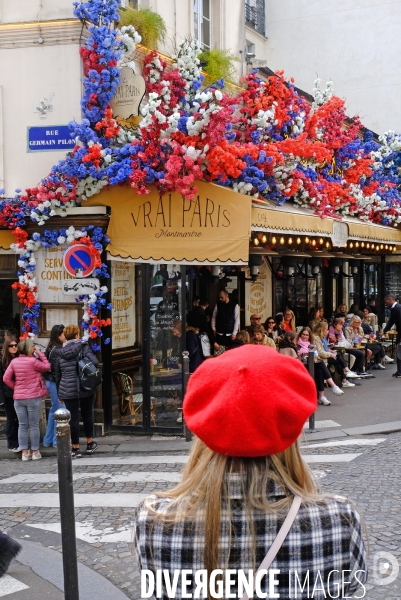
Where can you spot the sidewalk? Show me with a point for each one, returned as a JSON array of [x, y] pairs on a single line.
[[372, 408]]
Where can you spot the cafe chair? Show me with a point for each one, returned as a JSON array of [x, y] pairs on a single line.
[[130, 403]]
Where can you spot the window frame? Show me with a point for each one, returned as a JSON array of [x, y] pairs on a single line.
[[199, 18]]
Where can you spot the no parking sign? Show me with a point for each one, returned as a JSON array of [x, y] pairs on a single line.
[[78, 261]]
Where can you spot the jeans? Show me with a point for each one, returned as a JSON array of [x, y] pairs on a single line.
[[11, 423], [321, 374], [50, 435], [28, 413], [86, 404]]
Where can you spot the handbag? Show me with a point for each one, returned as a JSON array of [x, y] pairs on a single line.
[[205, 345], [278, 542], [219, 351]]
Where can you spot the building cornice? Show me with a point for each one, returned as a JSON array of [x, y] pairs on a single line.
[[52, 33]]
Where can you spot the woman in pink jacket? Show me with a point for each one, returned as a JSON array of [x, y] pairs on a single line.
[[24, 376]]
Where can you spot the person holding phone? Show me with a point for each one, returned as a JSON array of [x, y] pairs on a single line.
[[24, 376]]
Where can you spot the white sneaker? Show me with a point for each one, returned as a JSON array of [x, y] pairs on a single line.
[[348, 384], [179, 420], [388, 359], [337, 391], [323, 400], [36, 455], [26, 455], [351, 375], [380, 367]]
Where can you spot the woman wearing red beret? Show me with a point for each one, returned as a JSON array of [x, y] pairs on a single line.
[[246, 494]]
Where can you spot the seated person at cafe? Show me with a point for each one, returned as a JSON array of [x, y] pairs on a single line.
[[289, 321], [354, 335], [260, 338], [287, 345], [255, 320], [241, 339], [269, 327], [279, 331], [331, 357], [314, 317], [369, 319], [304, 339]]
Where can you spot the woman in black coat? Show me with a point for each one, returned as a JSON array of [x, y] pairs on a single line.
[[9, 351], [67, 384]]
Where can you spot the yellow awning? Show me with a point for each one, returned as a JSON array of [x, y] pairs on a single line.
[[362, 231], [289, 220], [214, 227], [6, 239]]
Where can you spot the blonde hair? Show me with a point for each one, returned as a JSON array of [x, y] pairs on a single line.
[[243, 336], [26, 347], [204, 489], [292, 320], [323, 325], [71, 332]]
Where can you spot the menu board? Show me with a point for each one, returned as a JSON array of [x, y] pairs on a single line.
[[123, 294]]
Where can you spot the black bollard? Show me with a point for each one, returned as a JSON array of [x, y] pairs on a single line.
[[67, 514], [311, 369], [185, 374]]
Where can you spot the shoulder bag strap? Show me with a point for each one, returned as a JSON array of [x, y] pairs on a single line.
[[278, 542]]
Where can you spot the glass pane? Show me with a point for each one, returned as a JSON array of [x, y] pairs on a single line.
[[196, 27], [127, 391], [166, 331], [206, 9], [196, 5], [206, 33]]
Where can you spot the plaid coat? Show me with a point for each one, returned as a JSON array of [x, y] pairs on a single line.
[[324, 538]]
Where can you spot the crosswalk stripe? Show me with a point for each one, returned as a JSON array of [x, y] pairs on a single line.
[[139, 476], [87, 533], [116, 500], [338, 443], [99, 461], [329, 458], [9, 585]]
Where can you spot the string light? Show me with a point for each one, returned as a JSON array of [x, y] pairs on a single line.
[[321, 241], [386, 246], [357, 245], [298, 240], [282, 240], [290, 241], [274, 240], [368, 245], [313, 242], [381, 246], [351, 245], [362, 244], [256, 241], [306, 240], [377, 247], [327, 244], [264, 239]]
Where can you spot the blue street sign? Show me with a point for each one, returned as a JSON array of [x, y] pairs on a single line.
[[50, 137]]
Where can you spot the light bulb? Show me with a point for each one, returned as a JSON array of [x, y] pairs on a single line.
[[321, 241], [351, 245], [264, 239], [298, 240], [256, 241], [381, 246], [362, 244], [313, 242], [377, 247], [368, 245], [306, 240], [290, 241], [357, 245], [327, 244], [274, 240], [282, 240], [386, 246]]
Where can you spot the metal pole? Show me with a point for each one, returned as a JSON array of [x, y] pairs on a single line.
[[185, 376], [67, 515], [311, 369]]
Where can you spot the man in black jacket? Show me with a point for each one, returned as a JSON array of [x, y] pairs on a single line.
[[395, 319], [225, 320]]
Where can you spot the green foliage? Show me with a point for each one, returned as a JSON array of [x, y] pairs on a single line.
[[219, 63], [150, 25]]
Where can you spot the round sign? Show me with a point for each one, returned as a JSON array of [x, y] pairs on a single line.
[[78, 261]]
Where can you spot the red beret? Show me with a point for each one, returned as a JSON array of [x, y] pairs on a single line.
[[249, 401]]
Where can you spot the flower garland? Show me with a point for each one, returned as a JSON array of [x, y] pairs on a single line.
[[27, 289], [268, 143]]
